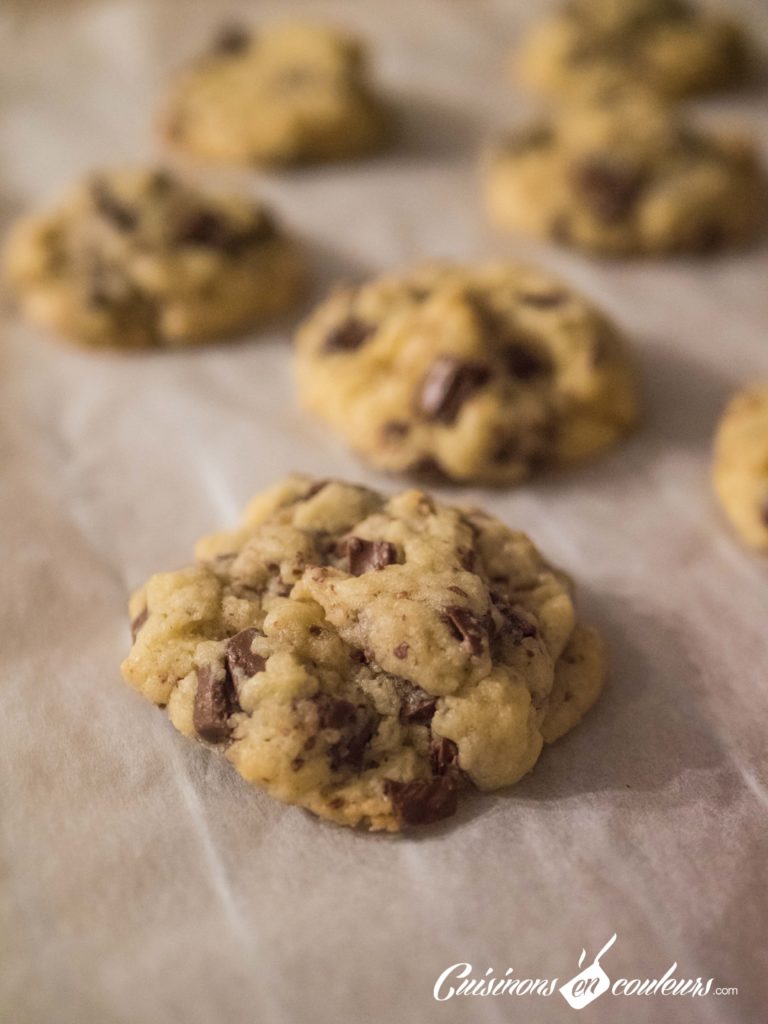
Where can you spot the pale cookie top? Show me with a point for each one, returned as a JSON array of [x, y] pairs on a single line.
[[281, 94], [740, 469], [362, 656], [134, 258], [671, 46], [621, 174], [475, 373]]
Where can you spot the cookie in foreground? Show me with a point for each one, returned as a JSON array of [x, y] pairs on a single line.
[[672, 46], [137, 258], [740, 470], [484, 373], [367, 658], [623, 174], [289, 93]]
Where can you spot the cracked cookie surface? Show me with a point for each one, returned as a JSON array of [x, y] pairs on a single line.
[[740, 472], [624, 175], [288, 93], [475, 373], [364, 657], [136, 258], [670, 46]]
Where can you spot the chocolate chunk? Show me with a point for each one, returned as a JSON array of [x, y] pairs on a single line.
[[333, 712], [423, 800], [447, 385], [544, 300], [314, 489], [209, 230], [416, 705], [711, 237], [232, 39], [609, 189], [444, 755], [118, 213], [356, 723], [241, 661], [161, 181], [401, 651], [524, 362], [428, 468], [367, 555], [138, 622], [467, 559], [466, 627], [215, 701], [515, 625], [348, 336]]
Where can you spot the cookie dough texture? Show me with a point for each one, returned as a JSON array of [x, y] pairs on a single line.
[[671, 46], [741, 464], [625, 175], [366, 658], [135, 258], [289, 93], [472, 373]]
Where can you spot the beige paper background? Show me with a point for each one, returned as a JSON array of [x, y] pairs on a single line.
[[142, 881]]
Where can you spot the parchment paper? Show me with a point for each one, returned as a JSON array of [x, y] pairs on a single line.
[[143, 880]]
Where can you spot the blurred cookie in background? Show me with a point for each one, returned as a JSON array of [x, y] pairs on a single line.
[[474, 374], [671, 46], [740, 471], [289, 93], [136, 259], [624, 174]]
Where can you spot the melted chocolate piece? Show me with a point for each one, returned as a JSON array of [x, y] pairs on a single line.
[[423, 800], [209, 230], [515, 626], [447, 385], [544, 300], [444, 755], [357, 725], [368, 555], [118, 213], [348, 336], [609, 189], [466, 627], [416, 705], [215, 701], [232, 39], [401, 651], [524, 362], [242, 663]]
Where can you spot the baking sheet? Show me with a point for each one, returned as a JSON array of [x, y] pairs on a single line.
[[142, 880]]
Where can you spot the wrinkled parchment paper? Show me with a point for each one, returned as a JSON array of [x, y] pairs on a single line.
[[143, 881]]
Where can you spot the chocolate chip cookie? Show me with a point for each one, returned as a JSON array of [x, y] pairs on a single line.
[[364, 657], [670, 46], [288, 93], [740, 472], [472, 373], [625, 175], [135, 259]]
